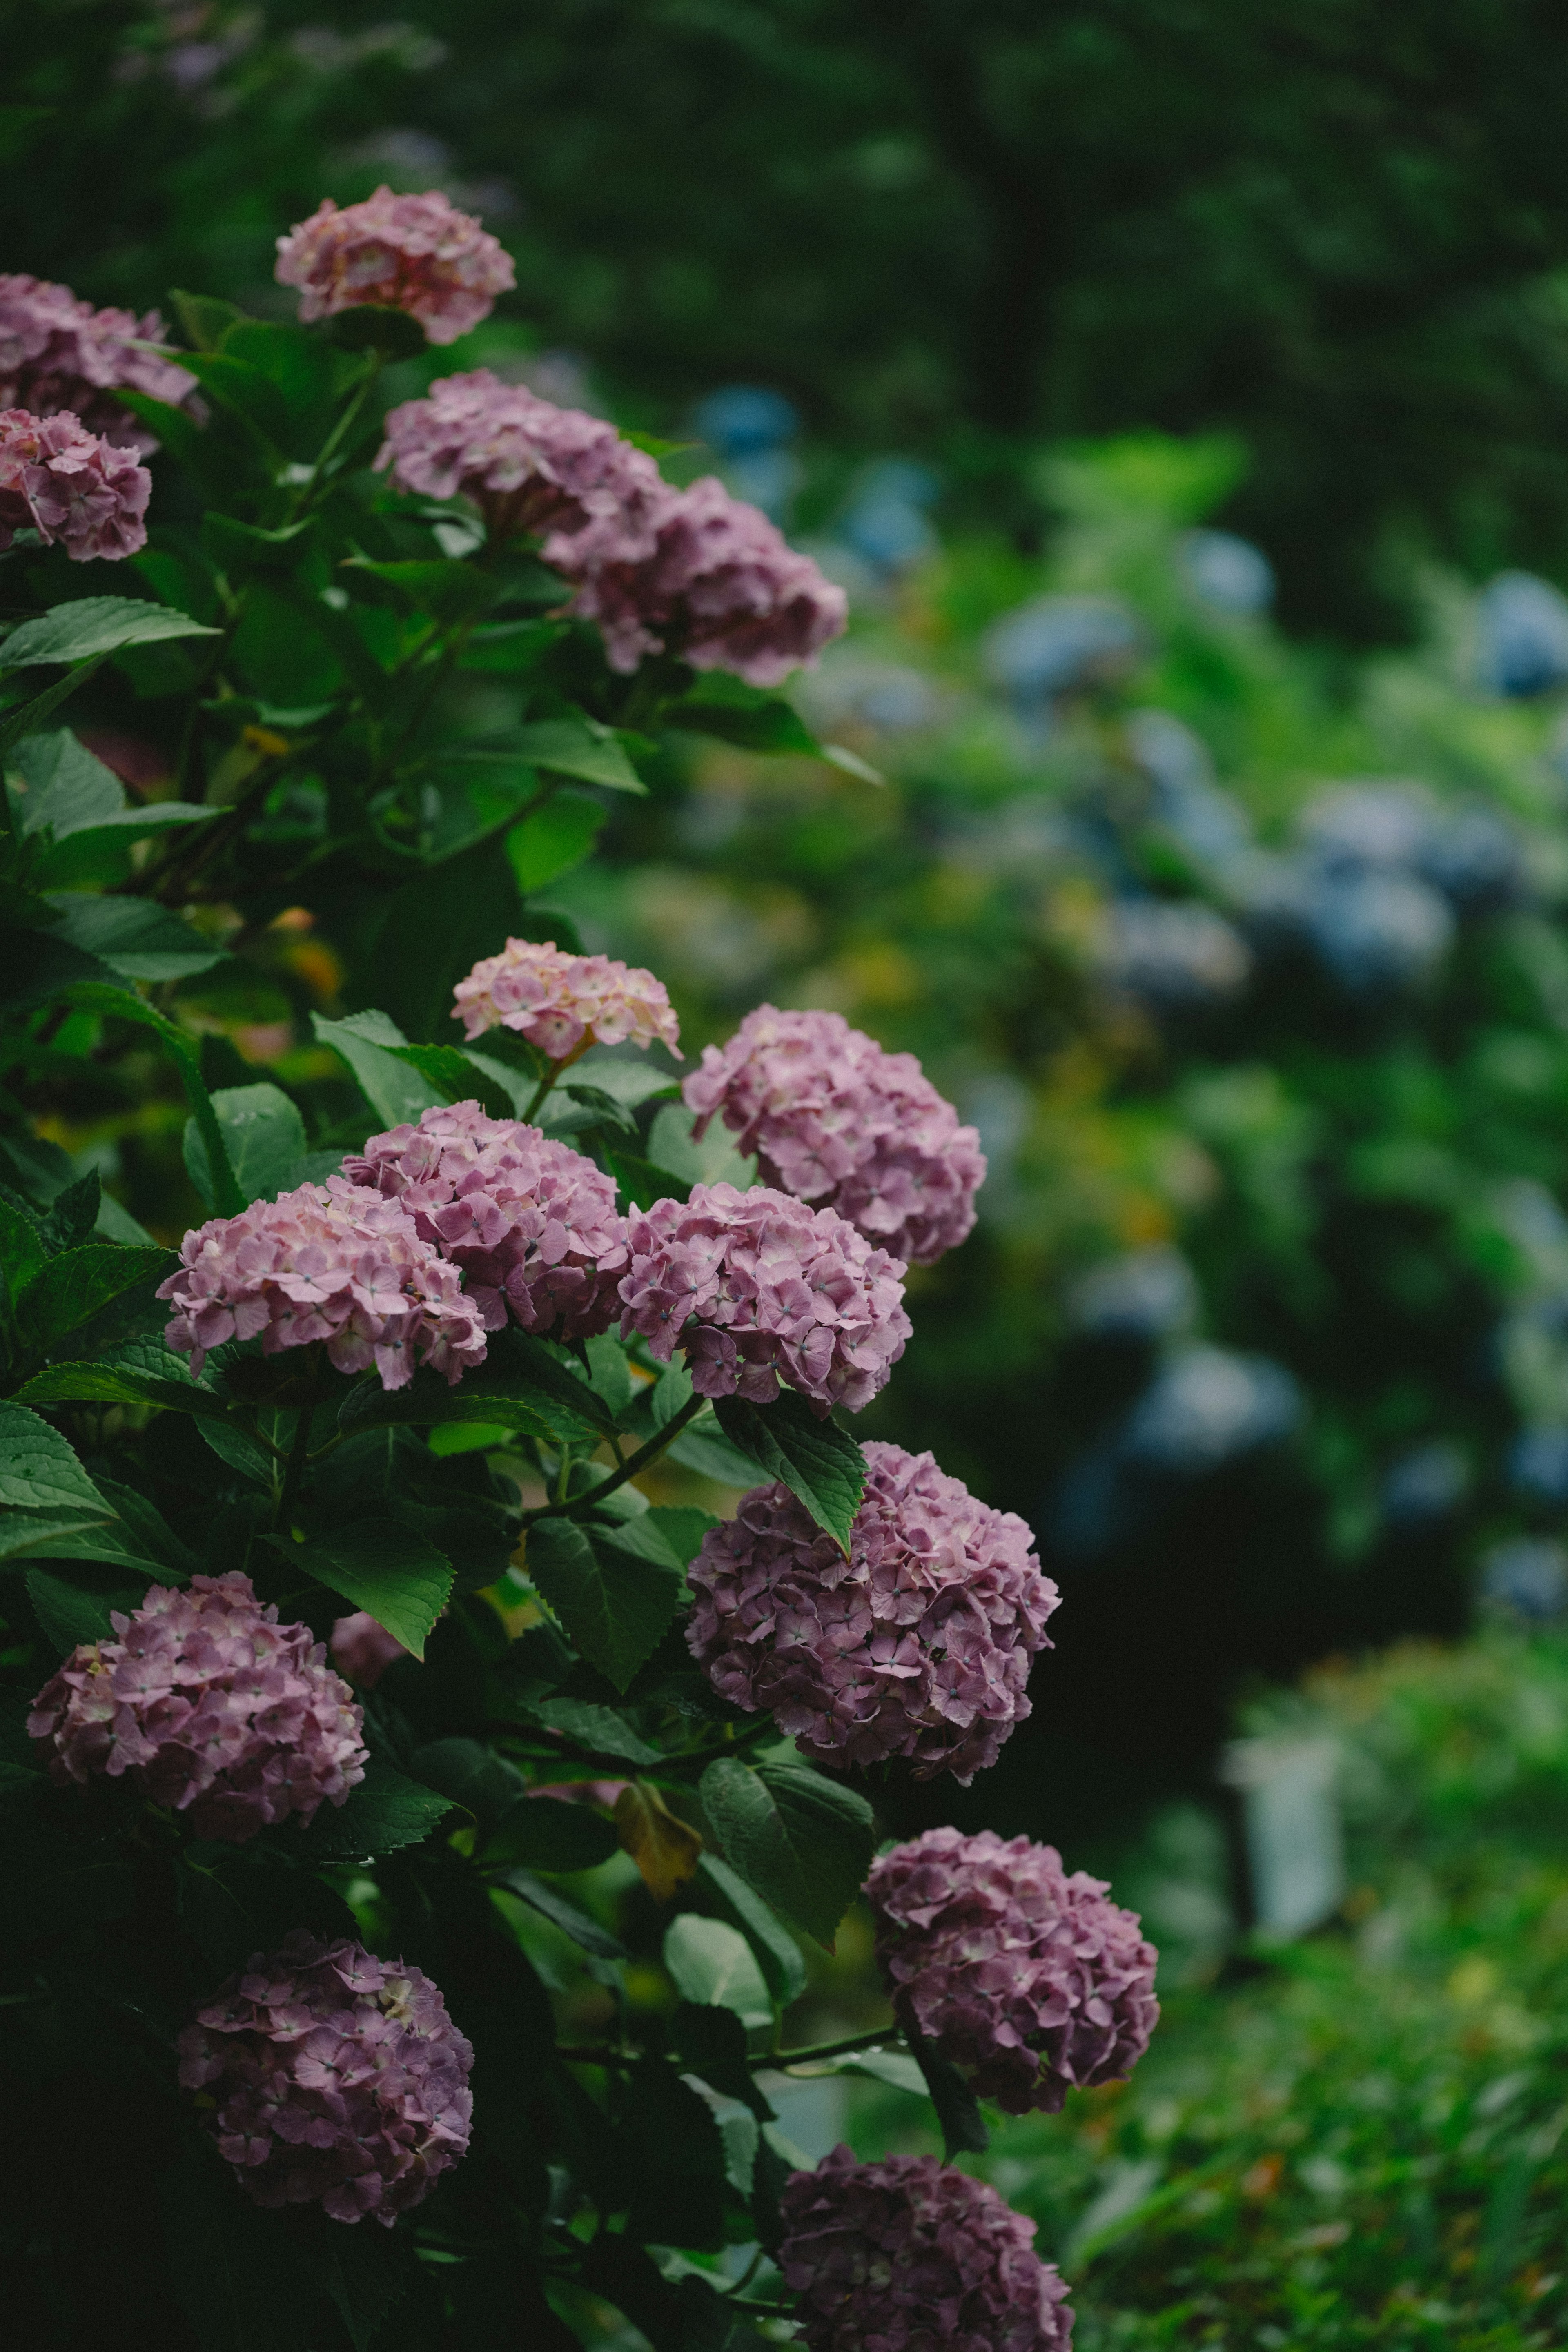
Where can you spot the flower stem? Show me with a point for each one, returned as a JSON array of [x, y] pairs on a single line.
[[299, 1454], [889, 2032], [628, 1469]]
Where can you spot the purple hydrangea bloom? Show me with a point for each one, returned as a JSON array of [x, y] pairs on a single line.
[[908, 2255], [527, 464], [417, 253], [531, 1224], [211, 1706], [58, 352], [334, 2078], [919, 1644], [1033, 1983], [69, 485], [563, 1003], [759, 1289], [722, 587], [325, 1261], [838, 1122], [363, 1650]]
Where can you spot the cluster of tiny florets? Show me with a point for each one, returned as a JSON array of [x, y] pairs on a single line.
[[210, 1706], [918, 1645], [838, 1122], [908, 2255], [531, 1224], [71, 486], [527, 464], [58, 352], [327, 1262], [331, 2077], [561, 1003], [758, 1289], [1032, 1981], [417, 253]]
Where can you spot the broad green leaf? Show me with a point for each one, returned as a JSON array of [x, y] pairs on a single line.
[[459, 1077], [244, 391], [565, 1916], [39, 1470], [264, 1136], [96, 625], [682, 1527], [802, 1843], [204, 318], [395, 1090], [705, 1449], [580, 748], [73, 1213], [598, 1731], [385, 1811], [23, 1248], [613, 1596], [548, 1833], [450, 590], [640, 1183], [511, 646], [469, 1773], [777, 1952], [63, 787], [713, 1966], [711, 2042], [964, 2128], [97, 997], [111, 1383], [25, 718], [74, 1288], [137, 939], [817, 1461], [553, 839], [244, 546], [383, 1567], [625, 1082], [736, 714], [70, 1613], [511, 1390], [371, 327]]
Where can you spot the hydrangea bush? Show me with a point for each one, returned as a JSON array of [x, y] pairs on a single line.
[[363, 1641]]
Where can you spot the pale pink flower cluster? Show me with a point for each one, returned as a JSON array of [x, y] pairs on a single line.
[[69, 485], [58, 352], [720, 586], [527, 464], [211, 1706], [363, 1650], [838, 1122], [334, 2078], [908, 2255], [1031, 1981], [326, 1262], [417, 253], [531, 1224], [918, 1645], [758, 1289], [563, 1002]]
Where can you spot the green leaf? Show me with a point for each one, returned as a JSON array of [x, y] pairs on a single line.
[[736, 714], [383, 1567], [964, 2128], [713, 1965], [137, 939], [111, 1383], [469, 1773], [459, 1077], [385, 1811], [244, 391], [548, 1833], [640, 1183], [25, 718], [395, 1090], [512, 648], [63, 787], [97, 997], [553, 839], [838, 755], [711, 2042], [263, 1135], [95, 625], [613, 1597], [39, 1470], [370, 327], [682, 1527], [451, 590], [578, 747], [23, 1248], [777, 1952], [817, 1461], [245, 547], [53, 1535], [70, 1613], [503, 1398], [705, 1449], [74, 1288], [628, 1085], [565, 1916], [598, 1730], [803, 1843], [203, 318]]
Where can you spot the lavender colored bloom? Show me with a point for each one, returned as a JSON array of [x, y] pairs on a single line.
[[58, 352], [527, 464], [919, 1644], [838, 1122], [759, 1289], [722, 587], [531, 1224], [331, 2078], [325, 1261], [908, 2255], [563, 1003], [67, 485], [363, 1650], [417, 253], [1029, 1980], [210, 1706]]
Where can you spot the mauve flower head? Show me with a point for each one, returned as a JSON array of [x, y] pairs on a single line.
[[838, 1122], [58, 352], [758, 1289], [527, 464], [210, 1706], [531, 1224], [417, 253], [721, 587], [363, 1650], [1032, 1982], [918, 1645], [331, 2078], [325, 1261], [908, 2255], [563, 1003], [69, 485]]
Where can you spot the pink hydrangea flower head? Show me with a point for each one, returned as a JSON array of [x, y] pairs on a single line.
[[57, 351], [69, 486], [362, 1650], [325, 1261], [918, 1645], [758, 1289], [721, 587], [908, 2255], [211, 1706], [838, 1122], [334, 2078], [531, 1224], [1034, 1984], [527, 464], [563, 1003], [417, 253]]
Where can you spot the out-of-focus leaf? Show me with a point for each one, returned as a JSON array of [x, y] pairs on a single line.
[[553, 839], [801, 1840], [777, 1952], [710, 2040], [135, 938], [957, 2111], [541, 1832], [736, 714], [263, 1134], [451, 591], [612, 1593], [565, 1916], [381, 1566], [705, 1449], [817, 1461], [664, 1847], [712, 1965], [97, 997], [578, 747]]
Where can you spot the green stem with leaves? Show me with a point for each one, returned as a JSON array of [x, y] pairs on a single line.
[[633, 1463]]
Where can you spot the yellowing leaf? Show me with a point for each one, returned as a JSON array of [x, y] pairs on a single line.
[[664, 1848]]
